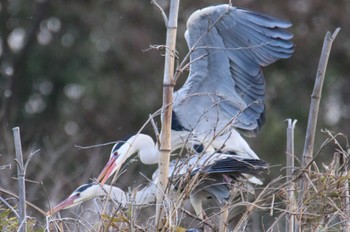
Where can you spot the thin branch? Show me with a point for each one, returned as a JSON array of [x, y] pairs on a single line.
[[292, 207], [94, 146], [27, 202], [29, 159], [346, 194], [165, 19], [9, 206], [155, 128], [21, 179], [6, 166]]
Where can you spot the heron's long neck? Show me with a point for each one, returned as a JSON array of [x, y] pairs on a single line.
[[141, 144], [145, 196], [148, 151], [115, 193]]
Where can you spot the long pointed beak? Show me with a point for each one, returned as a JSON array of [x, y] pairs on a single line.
[[107, 170], [69, 202]]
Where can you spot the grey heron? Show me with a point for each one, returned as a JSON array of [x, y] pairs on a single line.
[[223, 95], [224, 92], [208, 174]]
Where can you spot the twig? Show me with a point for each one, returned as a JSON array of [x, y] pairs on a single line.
[[94, 146], [154, 2], [21, 180], [342, 171], [9, 206], [314, 107], [27, 202], [29, 159], [6, 166], [156, 131], [168, 89], [290, 217]]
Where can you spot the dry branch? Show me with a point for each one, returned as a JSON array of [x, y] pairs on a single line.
[[316, 97], [291, 219], [314, 107], [20, 180], [342, 171], [168, 88]]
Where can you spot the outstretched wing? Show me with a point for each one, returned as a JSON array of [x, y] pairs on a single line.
[[226, 86]]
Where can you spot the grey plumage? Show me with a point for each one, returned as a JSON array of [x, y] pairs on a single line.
[[226, 85]]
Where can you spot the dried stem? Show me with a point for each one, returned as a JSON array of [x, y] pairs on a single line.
[[316, 97], [314, 107], [20, 180], [168, 88], [343, 172], [292, 207], [165, 19]]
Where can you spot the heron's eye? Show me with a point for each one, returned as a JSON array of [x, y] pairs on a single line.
[[78, 194], [115, 153]]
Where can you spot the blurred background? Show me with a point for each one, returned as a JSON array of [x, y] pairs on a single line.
[[81, 73]]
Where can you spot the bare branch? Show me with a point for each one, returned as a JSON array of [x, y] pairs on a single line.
[[155, 128], [21, 180], [29, 158], [6, 166], [165, 19], [292, 207]]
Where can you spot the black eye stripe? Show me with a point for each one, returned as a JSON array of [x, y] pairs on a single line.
[[120, 143], [83, 188]]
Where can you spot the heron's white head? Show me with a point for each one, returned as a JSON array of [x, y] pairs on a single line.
[[81, 194], [140, 143], [115, 161]]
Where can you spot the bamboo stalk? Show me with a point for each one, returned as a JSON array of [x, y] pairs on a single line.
[[313, 112], [316, 98], [290, 216], [20, 180], [168, 88]]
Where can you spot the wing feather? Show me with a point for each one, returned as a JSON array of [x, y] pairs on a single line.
[[226, 85]]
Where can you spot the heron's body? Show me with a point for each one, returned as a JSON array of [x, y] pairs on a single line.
[[207, 174]]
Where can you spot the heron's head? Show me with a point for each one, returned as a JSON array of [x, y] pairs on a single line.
[[119, 150], [122, 150], [81, 194]]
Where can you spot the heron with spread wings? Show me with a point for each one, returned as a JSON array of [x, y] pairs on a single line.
[[223, 96], [224, 93]]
